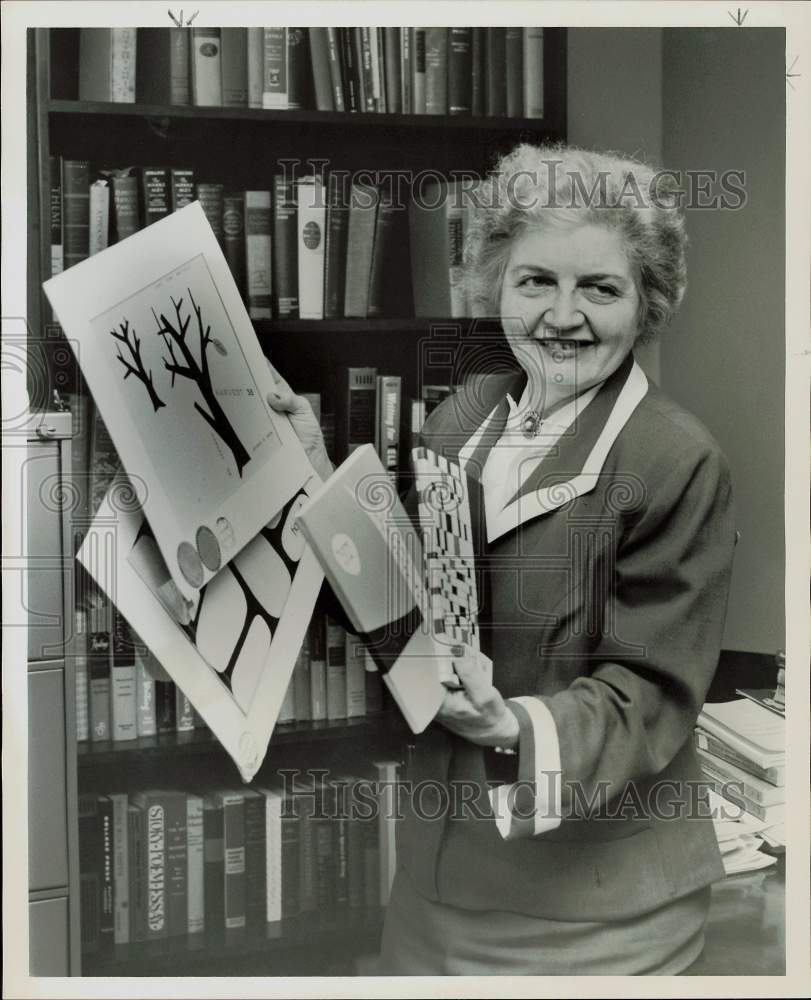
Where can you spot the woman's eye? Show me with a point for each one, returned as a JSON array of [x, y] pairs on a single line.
[[602, 291], [535, 281]]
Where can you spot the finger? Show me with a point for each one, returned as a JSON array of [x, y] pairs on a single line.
[[274, 372], [473, 679]]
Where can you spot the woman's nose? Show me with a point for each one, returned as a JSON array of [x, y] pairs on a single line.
[[563, 314]]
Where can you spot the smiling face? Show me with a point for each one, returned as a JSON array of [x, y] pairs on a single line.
[[569, 309]]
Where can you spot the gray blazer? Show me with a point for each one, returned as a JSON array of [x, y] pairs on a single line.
[[606, 600]]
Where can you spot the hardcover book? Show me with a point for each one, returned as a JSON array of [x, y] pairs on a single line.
[[162, 66], [107, 60]]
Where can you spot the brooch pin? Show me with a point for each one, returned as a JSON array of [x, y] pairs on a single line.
[[531, 424]]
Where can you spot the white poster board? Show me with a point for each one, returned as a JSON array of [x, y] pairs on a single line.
[[235, 656], [169, 353]]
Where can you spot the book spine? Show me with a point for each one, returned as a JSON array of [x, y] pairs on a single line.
[[533, 72], [57, 250], [165, 706], [364, 47], [736, 741], [359, 249], [732, 792], [285, 248], [122, 687], [121, 883], [80, 674], [184, 713], [146, 722], [233, 226], [341, 864], [460, 71], [419, 71], [125, 206], [157, 925], [318, 667], [774, 775], [378, 69], [311, 221], [289, 863], [371, 863], [211, 200], [322, 78], [179, 79], [298, 68], [477, 74], [306, 805], [374, 687], [75, 210], [387, 424], [356, 408], [122, 76], [384, 248], [406, 70], [324, 855], [98, 663], [456, 217], [336, 670], [495, 58], [335, 248], [107, 909], [99, 217], [195, 902], [336, 75], [213, 864], [273, 854], [350, 66], [386, 825], [156, 194], [275, 89], [234, 67], [514, 60], [355, 677], [393, 72], [206, 67], [90, 858], [354, 861], [301, 682], [137, 873], [177, 915], [258, 254], [256, 66], [234, 860], [757, 790], [182, 180], [436, 71], [255, 859]]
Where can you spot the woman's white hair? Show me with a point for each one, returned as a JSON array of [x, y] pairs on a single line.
[[544, 186]]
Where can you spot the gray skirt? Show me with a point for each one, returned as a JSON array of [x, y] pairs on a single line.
[[426, 938]]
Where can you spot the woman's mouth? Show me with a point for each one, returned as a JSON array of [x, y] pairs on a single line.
[[562, 347]]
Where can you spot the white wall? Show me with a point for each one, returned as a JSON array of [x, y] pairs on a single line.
[[614, 102]]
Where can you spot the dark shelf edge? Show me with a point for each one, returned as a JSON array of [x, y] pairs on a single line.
[[361, 326], [349, 932], [338, 119], [90, 754]]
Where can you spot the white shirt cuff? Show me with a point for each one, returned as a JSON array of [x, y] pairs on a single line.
[[532, 804]]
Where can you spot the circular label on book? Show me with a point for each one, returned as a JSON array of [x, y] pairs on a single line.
[[311, 234], [208, 548], [208, 49], [232, 222], [346, 553], [190, 565]]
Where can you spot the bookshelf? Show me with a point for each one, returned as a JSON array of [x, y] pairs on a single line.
[[241, 148]]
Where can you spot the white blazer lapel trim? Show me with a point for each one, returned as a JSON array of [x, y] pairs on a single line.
[[539, 502]]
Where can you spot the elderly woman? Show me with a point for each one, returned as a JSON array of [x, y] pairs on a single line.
[[559, 826]]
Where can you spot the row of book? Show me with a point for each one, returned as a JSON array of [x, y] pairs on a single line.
[[477, 71], [312, 248], [741, 748], [163, 863]]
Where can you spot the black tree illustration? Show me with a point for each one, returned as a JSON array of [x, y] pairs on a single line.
[[187, 366], [138, 370]]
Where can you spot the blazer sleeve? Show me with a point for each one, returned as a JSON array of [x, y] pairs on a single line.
[[626, 719]]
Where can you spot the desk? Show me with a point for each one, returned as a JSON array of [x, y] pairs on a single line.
[[746, 931]]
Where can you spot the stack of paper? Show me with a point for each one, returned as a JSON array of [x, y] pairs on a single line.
[[739, 835]]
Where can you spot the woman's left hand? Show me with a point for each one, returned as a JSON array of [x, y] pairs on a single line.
[[478, 713]]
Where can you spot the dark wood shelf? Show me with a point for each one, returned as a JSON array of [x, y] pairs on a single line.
[[201, 741], [329, 938], [329, 118], [360, 326]]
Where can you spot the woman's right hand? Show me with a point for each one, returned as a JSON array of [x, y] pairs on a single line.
[[308, 431]]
